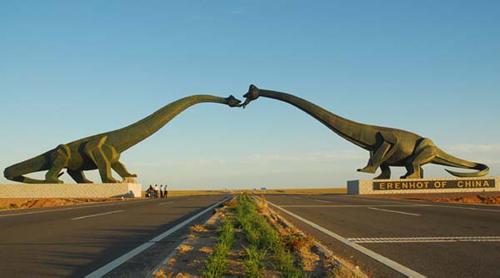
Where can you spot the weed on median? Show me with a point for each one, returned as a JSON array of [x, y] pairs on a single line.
[[263, 240], [216, 264]]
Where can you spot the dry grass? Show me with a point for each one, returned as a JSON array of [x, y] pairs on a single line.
[[199, 229], [303, 191]]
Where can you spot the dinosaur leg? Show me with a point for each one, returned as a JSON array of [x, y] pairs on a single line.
[[59, 161], [122, 170], [378, 157], [425, 152], [386, 172], [78, 176], [104, 166], [102, 160]]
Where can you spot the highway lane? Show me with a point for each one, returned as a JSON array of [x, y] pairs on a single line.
[[74, 241], [435, 240]]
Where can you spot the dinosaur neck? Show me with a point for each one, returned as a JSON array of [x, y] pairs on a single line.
[[126, 137], [352, 131]]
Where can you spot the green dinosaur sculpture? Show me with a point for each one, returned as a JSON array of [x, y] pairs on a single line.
[[387, 146], [102, 151]]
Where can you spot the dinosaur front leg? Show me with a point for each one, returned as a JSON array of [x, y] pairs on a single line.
[[104, 166], [122, 170], [101, 159], [79, 176], [386, 172], [378, 157]]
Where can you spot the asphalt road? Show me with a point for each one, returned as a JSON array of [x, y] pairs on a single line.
[[75, 241], [431, 239]]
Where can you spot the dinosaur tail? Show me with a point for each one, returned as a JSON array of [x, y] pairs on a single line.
[[35, 164], [446, 159]]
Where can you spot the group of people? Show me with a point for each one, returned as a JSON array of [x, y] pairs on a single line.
[[155, 191]]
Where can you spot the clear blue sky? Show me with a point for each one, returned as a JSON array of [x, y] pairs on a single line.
[[70, 69]]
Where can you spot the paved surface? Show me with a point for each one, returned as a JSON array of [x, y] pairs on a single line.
[[435, 240], [74, 241]]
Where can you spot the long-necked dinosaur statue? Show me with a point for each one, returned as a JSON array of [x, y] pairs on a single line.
[[102, 151], [387, 146]]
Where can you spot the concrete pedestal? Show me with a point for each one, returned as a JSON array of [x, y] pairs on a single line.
[[410, 186], [81, 190]]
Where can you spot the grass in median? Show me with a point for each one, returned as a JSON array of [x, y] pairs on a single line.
[[263, 240], [216, 264]]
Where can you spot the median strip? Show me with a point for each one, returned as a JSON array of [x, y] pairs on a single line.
[[245, 238]]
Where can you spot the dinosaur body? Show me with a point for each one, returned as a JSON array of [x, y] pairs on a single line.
[[102, 151], [387, 146]]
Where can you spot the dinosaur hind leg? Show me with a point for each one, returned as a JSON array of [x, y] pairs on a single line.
[[78, 176], [59, 161], [425, 152], [122, 170], [385, 174]]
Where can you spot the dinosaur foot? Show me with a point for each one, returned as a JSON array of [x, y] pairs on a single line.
[[110, 180], [368, 169], [58, 181], [411, 176]]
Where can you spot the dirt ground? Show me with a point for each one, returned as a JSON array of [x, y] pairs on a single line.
[[485, 198], [22, 203]]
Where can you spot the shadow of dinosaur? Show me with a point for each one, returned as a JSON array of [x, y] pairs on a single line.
[[387, 146], [102, 151]]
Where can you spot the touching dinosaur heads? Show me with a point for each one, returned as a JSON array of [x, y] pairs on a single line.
[[252, 94], [232, 101]]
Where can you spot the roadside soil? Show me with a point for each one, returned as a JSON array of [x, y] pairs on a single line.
[[23, 203], [485, 198]]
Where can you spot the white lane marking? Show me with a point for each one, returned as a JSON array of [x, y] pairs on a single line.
[[75, 207], [323, 201], [457, 207], [453, 239], [97, 214], [395, 211], [386, 261], [166, 203], [353, 206], [139, 249]]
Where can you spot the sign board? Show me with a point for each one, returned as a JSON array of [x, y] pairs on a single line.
[[433, 184]]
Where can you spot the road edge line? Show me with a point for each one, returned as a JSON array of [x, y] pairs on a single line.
[[384, 260], [139, 249]]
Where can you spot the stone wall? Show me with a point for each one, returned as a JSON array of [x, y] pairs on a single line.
[[82, 190], [411, 186]]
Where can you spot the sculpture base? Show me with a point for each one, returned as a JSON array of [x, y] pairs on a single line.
[[81, 190], [410, 186]]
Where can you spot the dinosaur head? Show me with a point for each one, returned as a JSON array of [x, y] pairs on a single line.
[[252, 94], [232, 101]]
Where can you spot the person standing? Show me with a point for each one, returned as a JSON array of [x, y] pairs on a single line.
[[165, 192], [161, 191], [157, 191]]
